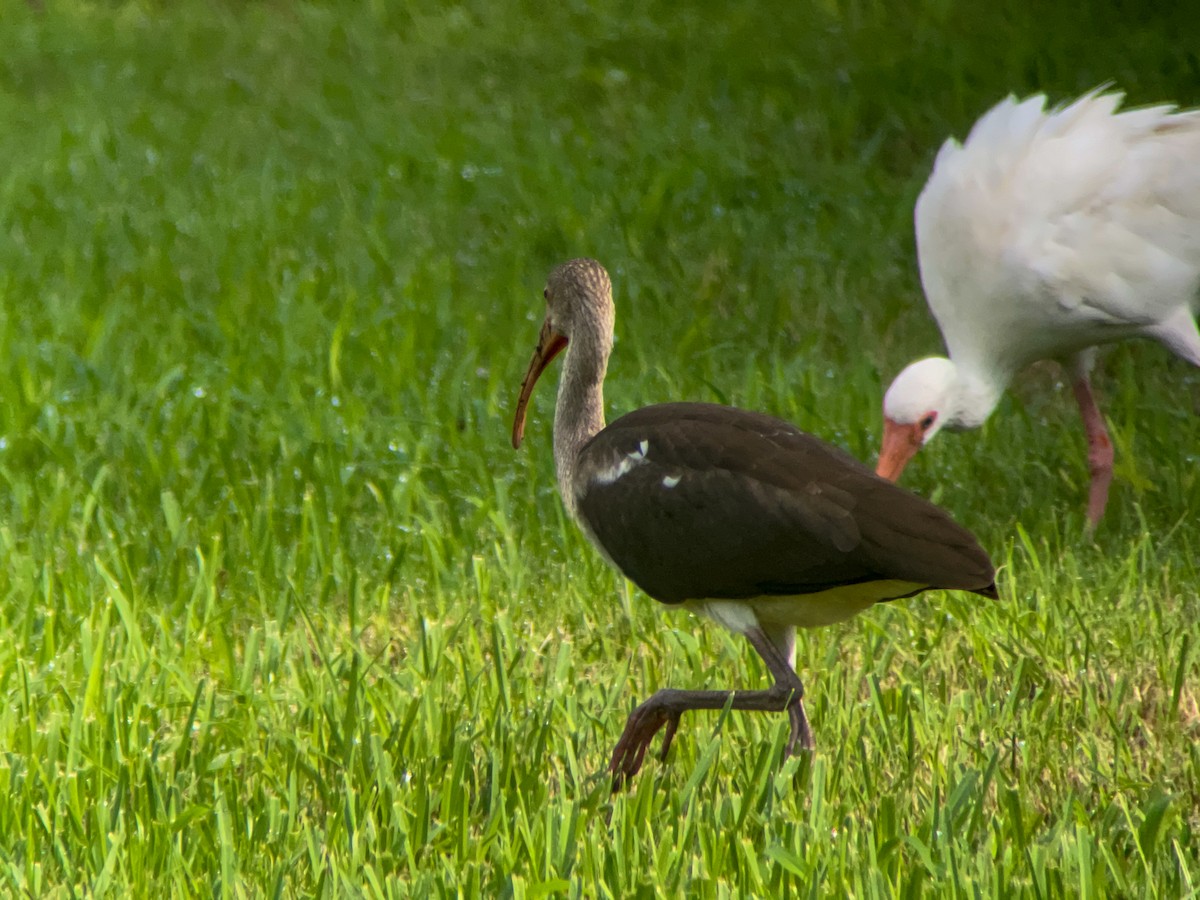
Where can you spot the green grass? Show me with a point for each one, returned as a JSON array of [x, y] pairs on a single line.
[[284, 615]]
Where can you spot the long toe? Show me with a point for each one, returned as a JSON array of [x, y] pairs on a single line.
[[630, 752], [801, 737], [668, 736]]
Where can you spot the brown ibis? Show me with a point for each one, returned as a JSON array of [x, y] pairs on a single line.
[[1044, 234], [733, 514]]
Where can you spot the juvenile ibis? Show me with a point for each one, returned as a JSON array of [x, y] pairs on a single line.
[[1046, 233], [732, 514]]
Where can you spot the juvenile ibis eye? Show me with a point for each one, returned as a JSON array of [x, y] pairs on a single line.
[[927, 422], [546, 293]]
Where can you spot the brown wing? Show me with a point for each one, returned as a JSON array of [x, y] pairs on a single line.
[[695, 501]]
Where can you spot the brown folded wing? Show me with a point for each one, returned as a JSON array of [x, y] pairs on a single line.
[[698, 501]]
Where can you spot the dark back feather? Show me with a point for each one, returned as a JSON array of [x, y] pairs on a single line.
[[699, 501]]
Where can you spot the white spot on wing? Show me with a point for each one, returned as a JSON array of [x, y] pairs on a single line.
[[624, 464], [669, 481]]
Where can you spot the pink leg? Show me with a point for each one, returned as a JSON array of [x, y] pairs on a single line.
[[1100, 451]]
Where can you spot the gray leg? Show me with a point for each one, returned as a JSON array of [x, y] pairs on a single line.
[[778, 651], [666, 706]]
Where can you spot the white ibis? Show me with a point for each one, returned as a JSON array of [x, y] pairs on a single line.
[[1045, 234], [729, 513]]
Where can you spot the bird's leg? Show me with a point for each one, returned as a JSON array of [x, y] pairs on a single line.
[[777, 647], [667, 705], [1100, 450]]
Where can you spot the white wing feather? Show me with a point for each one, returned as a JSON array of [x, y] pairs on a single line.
[[1048, 231]]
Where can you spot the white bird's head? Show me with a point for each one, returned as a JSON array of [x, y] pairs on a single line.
[[921, 400]]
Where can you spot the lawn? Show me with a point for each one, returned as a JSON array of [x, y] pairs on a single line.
[[284, 614]]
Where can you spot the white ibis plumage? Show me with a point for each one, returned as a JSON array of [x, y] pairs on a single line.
[[733, 514], [1046, 233]]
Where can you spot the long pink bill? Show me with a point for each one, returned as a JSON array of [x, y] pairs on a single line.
[[550, 344]]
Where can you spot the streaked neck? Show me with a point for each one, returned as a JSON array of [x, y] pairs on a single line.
[[579, 412]]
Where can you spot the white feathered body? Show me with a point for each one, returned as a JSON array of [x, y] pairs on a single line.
[[1047, 232]]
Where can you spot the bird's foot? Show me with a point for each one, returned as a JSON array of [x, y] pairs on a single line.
[[801, 737], [643, 723]]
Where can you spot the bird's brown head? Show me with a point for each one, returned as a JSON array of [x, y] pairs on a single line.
[[579, 308]]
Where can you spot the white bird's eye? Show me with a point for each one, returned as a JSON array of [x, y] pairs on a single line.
[[927, 422]]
